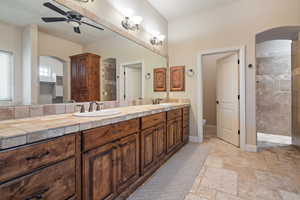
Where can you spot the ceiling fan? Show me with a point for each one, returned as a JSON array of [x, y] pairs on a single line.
[[71, 17]]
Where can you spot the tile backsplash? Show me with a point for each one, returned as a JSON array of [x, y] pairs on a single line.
[[18, 112]]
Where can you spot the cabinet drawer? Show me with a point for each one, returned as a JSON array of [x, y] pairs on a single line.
[[24, 160], [152, 120], [54, 182], [173, 114], [103, 135]]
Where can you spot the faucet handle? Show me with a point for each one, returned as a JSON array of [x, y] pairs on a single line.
[[99, 105], [159, 100], [91, 107], [82, 109]]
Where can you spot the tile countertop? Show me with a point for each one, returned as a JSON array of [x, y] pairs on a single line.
[[18, 132]]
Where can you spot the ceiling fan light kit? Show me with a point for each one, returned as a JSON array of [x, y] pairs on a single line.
[[71, 17]]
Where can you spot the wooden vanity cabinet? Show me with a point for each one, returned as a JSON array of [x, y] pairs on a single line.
[[128, 162], [104, 163], [99, 175], [44, 170], [53, 182], [174, 130], [153, 141], [111, 159], [185, 124]]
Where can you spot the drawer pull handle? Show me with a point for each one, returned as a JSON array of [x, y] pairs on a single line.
[[38, 195], [38, 156]]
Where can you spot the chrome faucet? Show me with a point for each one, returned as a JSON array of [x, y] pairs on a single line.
[[99, 105], [91, 107], [82, 108], [156, 101]]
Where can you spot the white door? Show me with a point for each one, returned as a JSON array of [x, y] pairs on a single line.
[[132, 82], [228, 99]]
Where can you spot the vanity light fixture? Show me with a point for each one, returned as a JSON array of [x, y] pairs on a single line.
[[131, 22], [157, 40]]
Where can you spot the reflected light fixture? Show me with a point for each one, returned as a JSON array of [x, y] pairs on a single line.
[[157, 39], [131, 22]]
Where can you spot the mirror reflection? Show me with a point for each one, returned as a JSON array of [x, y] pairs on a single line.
[[49, 54]]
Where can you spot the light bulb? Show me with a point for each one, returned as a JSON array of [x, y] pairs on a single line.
[[155, 33], [137, 19], [128, 12], [161, 37], [74, 23]]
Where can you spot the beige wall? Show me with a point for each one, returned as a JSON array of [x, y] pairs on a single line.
[[231, 25], [112, 11], [49, 45], [126, 51]]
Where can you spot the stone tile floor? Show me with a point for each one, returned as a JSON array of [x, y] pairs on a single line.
[[230, 174]]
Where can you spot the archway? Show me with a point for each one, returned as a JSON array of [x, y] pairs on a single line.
[[274, 88], [52, 73]]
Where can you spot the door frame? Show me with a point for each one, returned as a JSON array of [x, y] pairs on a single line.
[[121, 83], [242, 85]]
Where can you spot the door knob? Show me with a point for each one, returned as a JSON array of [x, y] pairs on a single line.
[[217, 102]]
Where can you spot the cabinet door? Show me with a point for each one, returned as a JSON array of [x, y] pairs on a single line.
[[177, 78], [171, 135], [179, 133], [128, 161], [159, 81], [99, 173], [148, 149], [185, 132], [161, 141]]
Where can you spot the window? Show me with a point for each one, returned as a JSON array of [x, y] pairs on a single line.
[[6, 76]]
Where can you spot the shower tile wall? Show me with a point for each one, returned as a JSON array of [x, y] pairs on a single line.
[[273, 87]]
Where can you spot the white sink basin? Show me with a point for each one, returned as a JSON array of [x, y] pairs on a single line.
[[100, 113], [165, 104]]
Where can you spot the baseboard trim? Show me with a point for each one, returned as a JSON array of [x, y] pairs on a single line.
[[195, 139], [250, 148]]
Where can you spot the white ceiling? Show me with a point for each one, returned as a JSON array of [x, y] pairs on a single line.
[[173, 9], [22, 13]]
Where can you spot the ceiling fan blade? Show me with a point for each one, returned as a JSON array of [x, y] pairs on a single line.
[[92, 25], [77, 30], [54, 19], [56, 9]]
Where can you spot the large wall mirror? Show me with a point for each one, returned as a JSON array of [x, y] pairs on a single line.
[[66, 61]]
